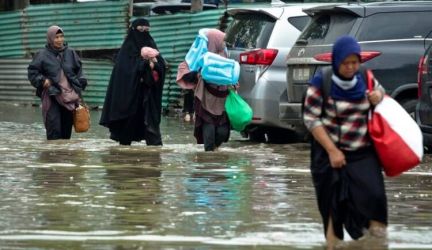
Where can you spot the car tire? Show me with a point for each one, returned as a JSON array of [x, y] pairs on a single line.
[[256, 135], [279, 136], [410, 106]]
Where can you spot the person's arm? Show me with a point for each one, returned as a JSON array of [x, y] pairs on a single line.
[[79, 80], [144, 71], [336, 156], [34, 73], [191, 77], [142, 65], [377, 94], [186, 79], [312, 119], [158, 64]]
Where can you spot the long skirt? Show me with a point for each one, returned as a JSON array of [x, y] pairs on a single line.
[[352, 195], [210, 130]]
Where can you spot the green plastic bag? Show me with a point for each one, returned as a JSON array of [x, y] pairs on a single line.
[[238, 111]]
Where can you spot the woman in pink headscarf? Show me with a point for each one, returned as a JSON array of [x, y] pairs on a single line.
[[212, 126], [56, 73]]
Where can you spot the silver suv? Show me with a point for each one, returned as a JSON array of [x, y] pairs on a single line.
[[260, 39]]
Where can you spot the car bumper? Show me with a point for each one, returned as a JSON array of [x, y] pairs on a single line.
[[427, 135], [425, 129], [290, 115], [265, 112]]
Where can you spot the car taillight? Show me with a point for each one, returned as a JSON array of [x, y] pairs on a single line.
[[421, 70], [260, 56], [365, 56], [324, 57]]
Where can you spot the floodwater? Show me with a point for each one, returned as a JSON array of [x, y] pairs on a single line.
[[90, 193]]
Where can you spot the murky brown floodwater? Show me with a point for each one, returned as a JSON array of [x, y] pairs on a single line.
[[90, 193]]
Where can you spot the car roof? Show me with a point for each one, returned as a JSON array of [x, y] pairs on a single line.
[[276, 11], [140, 9], [367, 9]]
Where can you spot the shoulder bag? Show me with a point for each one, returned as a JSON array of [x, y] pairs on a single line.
[[397, 138]]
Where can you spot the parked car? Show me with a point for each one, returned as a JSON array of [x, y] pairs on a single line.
[[393, 37], [260, 39], [424, 105], [160, 8]]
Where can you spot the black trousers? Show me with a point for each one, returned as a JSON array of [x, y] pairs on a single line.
[[58, 122], [188, 101], [214, 136]]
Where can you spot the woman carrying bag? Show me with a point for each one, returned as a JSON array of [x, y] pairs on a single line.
[[212, 126], [345, 168], [133, 102], [56, 73]]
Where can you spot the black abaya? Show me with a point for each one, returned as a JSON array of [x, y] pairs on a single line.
[[133, 101]]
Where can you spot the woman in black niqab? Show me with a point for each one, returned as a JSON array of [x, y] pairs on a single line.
[[133, 102]]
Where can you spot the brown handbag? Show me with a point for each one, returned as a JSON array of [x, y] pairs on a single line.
[[81, 118]]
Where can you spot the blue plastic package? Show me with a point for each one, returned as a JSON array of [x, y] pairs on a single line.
[[219, 70], [197, 50]]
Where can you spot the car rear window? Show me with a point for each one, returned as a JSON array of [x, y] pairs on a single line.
[[396, 25], [325, 28], [249, 31], [299, 22]]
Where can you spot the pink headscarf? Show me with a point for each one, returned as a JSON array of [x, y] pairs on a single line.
[[51, 34], [216, 42]]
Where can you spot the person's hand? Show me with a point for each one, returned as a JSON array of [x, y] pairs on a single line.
[[337, 158], [374, 96], [151, 63], [47, 83]]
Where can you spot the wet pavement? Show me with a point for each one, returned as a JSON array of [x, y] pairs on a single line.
[[90, 193]]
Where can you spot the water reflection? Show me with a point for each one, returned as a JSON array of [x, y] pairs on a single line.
[[56, 184], [57, 169], [217, 181], [90, 193], [367, 242], [133, 176], [216, 190], [133, 156]]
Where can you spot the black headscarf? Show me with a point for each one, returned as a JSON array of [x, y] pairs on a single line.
[[121, 101], [135, 39]]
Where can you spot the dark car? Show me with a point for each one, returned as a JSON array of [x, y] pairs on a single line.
[[393, 37], [424, 104]]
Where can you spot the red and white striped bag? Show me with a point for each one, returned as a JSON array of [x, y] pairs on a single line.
[[397, 138]]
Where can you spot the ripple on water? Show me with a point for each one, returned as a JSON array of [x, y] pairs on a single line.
[[245, 194]]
